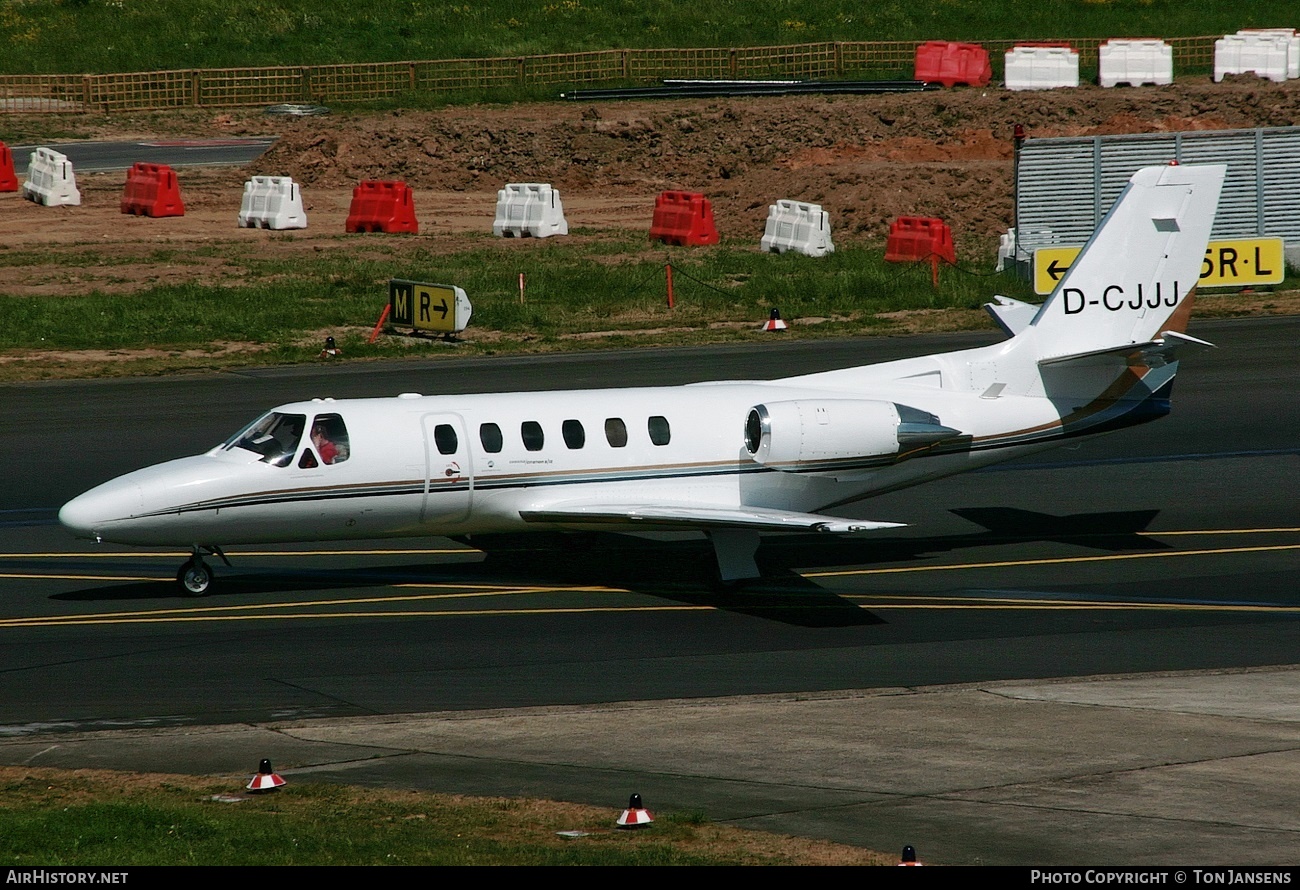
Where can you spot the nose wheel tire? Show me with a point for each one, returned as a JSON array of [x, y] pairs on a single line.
[[195, 578]]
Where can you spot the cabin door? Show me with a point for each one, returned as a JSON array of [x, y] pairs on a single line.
[[449, 476]]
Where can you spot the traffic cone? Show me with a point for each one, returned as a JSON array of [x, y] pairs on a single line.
[[909, 856], [635, 816], [331, 349], [775, 323], [266, 779]]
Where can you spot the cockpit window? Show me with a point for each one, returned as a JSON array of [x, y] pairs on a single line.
[[275, 437], [330, 437]]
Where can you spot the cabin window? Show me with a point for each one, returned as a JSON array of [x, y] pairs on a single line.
[[658, 428], [615, 432], [490, 435], [531, 432], [308, 460], [574, 435], [445, 438], [274, 436], [330, 437]]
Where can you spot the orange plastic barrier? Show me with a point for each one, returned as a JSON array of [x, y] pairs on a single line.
[[152, 190], [913, 238], [382, 206], [683, 218], [939, 61], [8, 181]]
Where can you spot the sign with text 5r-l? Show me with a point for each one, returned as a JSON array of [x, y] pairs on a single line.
[[1242, 262], [441, 308]]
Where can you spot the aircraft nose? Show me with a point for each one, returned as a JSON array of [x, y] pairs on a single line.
[[85, 515]]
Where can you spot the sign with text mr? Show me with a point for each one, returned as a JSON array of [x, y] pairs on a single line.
[[438, 308]]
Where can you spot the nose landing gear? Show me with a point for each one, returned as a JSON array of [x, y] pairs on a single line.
[[195, 576]]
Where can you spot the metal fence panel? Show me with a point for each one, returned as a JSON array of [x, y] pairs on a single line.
[[1064, 186]]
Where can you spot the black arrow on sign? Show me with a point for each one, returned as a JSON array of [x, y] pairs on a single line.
[[1055, 272], [442, 308]]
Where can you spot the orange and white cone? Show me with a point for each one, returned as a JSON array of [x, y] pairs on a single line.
[[774, 323], [266, 779], [909, 856], [635, 816]]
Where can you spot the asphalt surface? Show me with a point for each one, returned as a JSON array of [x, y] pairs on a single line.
[[1085, 657], [103, 157]]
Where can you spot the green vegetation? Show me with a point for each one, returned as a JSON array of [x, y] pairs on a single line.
[[615, 284], [100, 36], [53, 818]]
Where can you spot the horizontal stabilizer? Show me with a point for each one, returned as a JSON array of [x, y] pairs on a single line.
[[1153, 354], [698, 517], [1011, 315]]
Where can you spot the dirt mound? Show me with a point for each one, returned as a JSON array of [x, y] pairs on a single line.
[[867, 159]]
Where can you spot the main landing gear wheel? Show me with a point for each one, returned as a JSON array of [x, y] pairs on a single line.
[[194, 577]]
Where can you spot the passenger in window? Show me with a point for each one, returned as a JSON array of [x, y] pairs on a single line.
[[327, 450]]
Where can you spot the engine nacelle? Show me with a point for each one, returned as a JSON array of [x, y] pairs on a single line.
[[832, 434]]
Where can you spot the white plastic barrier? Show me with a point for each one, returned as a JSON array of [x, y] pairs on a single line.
[[1292, 46], [50, 180], [272, 202], [1261, 53], [529, 209], [793, 225], [1135, 62], [1006, 249], [1041, 67]]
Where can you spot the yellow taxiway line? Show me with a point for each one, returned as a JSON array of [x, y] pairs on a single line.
[[455, 591]]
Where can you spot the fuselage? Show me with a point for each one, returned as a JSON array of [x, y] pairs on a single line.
[[420, 465]]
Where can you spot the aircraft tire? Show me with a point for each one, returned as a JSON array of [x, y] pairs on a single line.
[[195, 578]]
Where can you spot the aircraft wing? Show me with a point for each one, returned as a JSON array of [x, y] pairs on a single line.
[[697, 517]]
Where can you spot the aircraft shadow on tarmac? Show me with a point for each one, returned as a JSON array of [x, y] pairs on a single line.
[[681, 570]]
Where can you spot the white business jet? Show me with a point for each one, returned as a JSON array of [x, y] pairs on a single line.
[[732, 459]]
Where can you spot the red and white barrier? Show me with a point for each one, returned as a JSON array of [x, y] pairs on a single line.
[[272, 202], [1135, 62], [529, 209], [51, 180], [794, 225]]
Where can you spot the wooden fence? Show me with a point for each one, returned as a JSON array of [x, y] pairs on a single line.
[[377, 81]]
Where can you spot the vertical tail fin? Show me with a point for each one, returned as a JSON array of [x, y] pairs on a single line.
[[1136, 275]]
